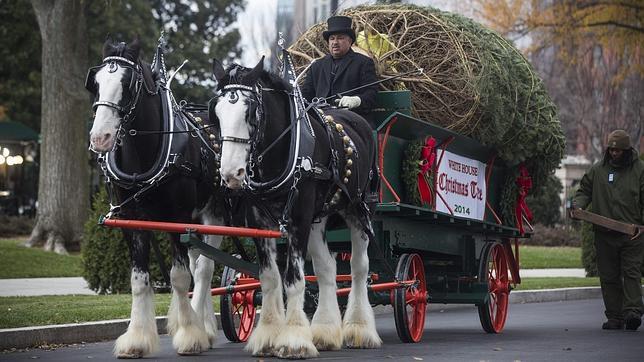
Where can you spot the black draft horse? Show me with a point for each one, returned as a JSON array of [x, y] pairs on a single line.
[[139, 134], [253, 111]]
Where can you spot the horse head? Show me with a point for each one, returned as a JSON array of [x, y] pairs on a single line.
[[236, 110], [115, 85]]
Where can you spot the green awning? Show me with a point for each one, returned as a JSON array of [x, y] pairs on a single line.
[[14, 131]]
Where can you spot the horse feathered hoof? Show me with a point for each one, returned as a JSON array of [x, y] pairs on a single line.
[[327, 337], [190, 341], [261, 342], [296, 342], [136, 343], [301, 352], [360, 336], [264, 352], [130, 355]]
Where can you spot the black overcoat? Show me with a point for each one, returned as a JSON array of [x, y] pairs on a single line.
[[353, 71]]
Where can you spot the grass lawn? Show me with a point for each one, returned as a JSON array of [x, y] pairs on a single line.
[[61, 309], [19, 262], [551, 283], [544, 257]]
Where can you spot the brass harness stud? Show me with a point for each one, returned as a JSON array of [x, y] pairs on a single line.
[[348, 150]]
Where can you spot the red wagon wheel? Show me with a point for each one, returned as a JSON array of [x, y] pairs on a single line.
[[494, 270], [237, 309], [410, 303]]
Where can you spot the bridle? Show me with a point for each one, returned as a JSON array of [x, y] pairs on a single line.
[[254, 116], [126, 111]]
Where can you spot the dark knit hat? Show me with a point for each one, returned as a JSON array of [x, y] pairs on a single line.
[[339, 25], [619, 139]]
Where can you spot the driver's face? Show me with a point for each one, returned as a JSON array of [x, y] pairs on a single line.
[[615, 154], [339, 45]]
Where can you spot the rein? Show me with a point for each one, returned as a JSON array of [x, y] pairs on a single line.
[[134, 132]]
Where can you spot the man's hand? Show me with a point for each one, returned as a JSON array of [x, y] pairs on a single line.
[[349, 102], [570, 211]]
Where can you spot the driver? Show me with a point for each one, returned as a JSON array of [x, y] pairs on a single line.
[[342, 70]]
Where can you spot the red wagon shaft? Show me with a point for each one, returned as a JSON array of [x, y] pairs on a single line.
[[191, 228]]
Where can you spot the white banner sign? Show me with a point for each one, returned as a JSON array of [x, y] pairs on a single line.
[[461, 183]]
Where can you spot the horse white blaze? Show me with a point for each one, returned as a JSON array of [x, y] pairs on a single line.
[[141, 337], [326, 325], [106, 122], [232, 121]]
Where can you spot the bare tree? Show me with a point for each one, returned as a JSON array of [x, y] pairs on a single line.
[[591, 104], [63, 195]]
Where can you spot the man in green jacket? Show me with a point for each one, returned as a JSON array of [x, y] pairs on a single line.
[[615, 188]]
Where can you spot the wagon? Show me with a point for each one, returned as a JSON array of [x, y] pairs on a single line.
[[454, 249]]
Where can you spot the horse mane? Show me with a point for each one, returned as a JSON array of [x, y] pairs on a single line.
[[128, 51], [275, 81], [266, 78]]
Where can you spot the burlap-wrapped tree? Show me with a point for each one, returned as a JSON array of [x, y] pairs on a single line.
[[474, 82]]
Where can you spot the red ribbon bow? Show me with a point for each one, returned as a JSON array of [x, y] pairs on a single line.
[[524, 182], [427, 158]]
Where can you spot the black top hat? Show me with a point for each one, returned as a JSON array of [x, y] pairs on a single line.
[[339, 25]]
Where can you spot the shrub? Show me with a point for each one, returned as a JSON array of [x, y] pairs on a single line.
[[545, 202], [106, 257], [553, 236], [15, 226]]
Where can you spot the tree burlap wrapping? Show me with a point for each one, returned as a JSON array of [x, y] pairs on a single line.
[[474, 82]]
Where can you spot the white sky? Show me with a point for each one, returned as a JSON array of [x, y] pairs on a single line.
[[257, 23], [257, 28]]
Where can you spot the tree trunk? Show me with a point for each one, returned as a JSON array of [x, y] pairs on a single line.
[[63, 195]]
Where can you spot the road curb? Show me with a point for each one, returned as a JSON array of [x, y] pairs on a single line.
[[555, 295], [108, 330]]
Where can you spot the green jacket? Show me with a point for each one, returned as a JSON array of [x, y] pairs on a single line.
[[622, 199]]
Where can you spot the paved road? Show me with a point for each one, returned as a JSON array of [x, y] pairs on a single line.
[[44, 286], [78, 285], [554, 331]]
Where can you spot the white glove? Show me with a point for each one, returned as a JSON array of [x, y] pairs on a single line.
[[349, 102]]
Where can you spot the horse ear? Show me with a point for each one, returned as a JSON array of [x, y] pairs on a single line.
[[218, 70], [135, 46], [107, 45], [254, 74]]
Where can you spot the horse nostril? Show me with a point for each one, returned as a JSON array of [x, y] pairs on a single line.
[[107, 137], [241, 172]]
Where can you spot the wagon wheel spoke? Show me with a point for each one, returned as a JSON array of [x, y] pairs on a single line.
[[237, 309], [409, 302], [246, 327]]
